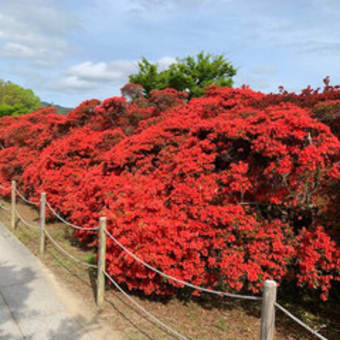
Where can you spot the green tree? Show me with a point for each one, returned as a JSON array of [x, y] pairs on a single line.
[[189, 74], [15, 100]]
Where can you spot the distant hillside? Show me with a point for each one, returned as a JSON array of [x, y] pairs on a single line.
[[60, 109]]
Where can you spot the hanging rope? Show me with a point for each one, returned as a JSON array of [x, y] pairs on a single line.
[[4, 187], [217, 292], [25, 222], [67, 253], [301, 323], [25, 199], [66, 222], [151, 316], [4, 208]]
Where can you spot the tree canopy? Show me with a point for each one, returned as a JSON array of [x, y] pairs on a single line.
[[190, 74], [16, 100]]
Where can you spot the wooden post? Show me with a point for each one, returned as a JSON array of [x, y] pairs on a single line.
[[268, 310], [42, 222], [101, 261], [13, 204]]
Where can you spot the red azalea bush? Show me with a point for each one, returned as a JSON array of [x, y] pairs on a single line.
[[328, 112], [23, 138], [223, 191], [83, 113], [62, 165], [307, 98], [222, 200]]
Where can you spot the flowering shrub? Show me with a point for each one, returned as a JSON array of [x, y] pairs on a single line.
[[23, 138], [219, 200], [307, 98], [223, 191], [328, 112], [62, 165]]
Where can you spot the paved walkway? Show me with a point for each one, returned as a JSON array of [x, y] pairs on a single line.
[[29, 306]]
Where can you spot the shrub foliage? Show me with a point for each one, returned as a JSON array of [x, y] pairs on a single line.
[[223, 191]]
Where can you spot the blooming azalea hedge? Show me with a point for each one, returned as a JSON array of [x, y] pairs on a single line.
[[223, 191]]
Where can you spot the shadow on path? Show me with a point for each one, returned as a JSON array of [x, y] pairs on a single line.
[[29, 307], [10, 276]]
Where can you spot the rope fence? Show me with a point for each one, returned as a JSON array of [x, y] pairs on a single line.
[[211, 291], [66, 222], [4, 187], [25, 199], [151, 316], [67, 253], [29, 225], [294, 318], [268, 299], [4, 208]]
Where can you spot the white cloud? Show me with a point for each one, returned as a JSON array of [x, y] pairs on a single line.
[[258, 77], [74, 83], [92, 75], [140, 6], [165, 62], [324, 47], [264, 69], [331, 4], [102, 71], [15, 50], [35, 30]]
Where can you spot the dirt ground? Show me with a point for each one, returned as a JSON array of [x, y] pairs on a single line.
[[204, 318]]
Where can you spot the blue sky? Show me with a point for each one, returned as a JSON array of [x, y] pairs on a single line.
[[69, 51]]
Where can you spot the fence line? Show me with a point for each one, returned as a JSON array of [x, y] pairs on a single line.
[[51, 209], [67, 253], [4, 187], [4, 208], [301, 323], [207, 290], [214, 291], [151, 316], [268, 304], [25, 199], [25, 222], [64, 221]]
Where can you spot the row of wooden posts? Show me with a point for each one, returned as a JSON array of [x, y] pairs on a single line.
[[269, 291]]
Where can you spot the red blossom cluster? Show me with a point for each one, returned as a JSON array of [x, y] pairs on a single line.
[[223, 191], [22, 139]]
